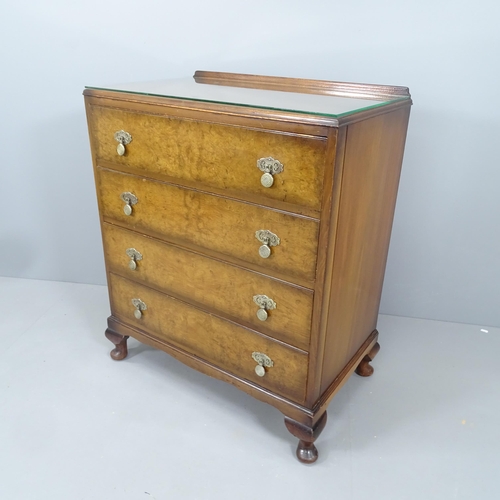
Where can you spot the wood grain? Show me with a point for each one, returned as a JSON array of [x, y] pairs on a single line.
[[372, 166], [214, 155], [265, 119], [299, 412], [120, 351], [226, 289], [213, 222], [326, 247], [306, 450], [301, 85], [364, 368], [226, 344], [339, 381], [204, 111]]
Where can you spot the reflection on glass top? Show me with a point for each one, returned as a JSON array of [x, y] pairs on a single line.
[[187, 88]]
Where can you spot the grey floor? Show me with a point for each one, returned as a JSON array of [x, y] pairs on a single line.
[[76, 425]]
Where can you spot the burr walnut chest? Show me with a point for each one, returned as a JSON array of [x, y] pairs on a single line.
[[246, 224]]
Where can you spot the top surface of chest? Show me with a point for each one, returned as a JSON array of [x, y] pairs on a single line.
[[328, 99]]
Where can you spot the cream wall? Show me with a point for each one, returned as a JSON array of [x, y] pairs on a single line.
[[444, 256]]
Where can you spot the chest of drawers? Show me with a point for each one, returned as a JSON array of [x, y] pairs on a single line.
[[246, 223]]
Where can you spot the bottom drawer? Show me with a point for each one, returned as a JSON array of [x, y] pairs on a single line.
[[217, 341]]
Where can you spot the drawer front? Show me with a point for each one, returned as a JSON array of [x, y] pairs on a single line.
[[212, 222], [210, 283], [217, 341], [215, 155]]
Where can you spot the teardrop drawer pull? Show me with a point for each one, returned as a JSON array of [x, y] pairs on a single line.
[[263, 362], [139, 307], [123, 138], [129, 199], [265, 304], [268, 239], [135, 256], [270, 167]]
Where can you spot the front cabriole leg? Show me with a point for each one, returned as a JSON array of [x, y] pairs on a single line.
[[120, 351], [306, 451]]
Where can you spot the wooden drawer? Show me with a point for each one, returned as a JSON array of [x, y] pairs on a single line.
[[214, 155], [212, 222], [212, 284], [217, 341]]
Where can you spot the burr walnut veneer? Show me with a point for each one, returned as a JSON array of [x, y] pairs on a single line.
[[246, 223]]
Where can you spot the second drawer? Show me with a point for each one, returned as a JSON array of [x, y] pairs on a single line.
[[212, 284]]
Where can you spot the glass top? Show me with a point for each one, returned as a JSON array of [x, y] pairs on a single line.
[[188, 88]]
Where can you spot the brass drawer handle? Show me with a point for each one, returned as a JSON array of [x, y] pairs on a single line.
[[139, 307], [268, 239], [123, 139], [263, 362], [129, 199], [270, 167], [135, 256], [265, 304]]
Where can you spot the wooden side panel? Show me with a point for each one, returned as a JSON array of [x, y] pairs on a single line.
[[215, 155], [226, 226], [372, 165], [225, 344], [212, 284]]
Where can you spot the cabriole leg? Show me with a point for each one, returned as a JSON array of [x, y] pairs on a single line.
[[120, 351], [364, 368], [306, 451]]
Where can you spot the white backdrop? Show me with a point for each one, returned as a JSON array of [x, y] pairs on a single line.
[[444, 256]]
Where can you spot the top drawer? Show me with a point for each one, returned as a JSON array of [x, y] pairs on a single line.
[[218, 156]]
